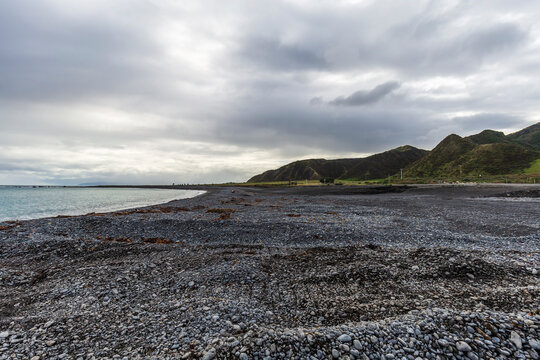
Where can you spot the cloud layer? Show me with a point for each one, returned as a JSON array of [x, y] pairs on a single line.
[[362, 97], [145, 91]]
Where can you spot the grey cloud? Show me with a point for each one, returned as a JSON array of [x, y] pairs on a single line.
[[295, 130], [45, 55], [317, 100], [274, 54], [96, 83], [363, 97], [444, 52], [493, 121], [500, 37]]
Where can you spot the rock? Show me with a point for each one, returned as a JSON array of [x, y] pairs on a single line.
[[344, 338], [516, 339], [442, 342], [50, 342], [335, 354], [48, 324], [243, 356], [463, 346], [4, 334], [535, 344], [357, 344], [209, 355], [470, 276]]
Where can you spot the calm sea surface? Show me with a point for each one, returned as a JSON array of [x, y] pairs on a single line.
[[27, 202]]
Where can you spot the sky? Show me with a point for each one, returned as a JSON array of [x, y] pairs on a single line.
[[162, 91]]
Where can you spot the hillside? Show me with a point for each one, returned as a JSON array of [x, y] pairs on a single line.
[[528, 136], [451, 148], [488, 153], [372, 167], [494, 159], [384, 164], [489, 137]]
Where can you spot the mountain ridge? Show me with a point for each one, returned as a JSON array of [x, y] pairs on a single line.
[[489, 152]]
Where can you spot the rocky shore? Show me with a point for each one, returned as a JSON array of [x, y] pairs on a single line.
[[433, 272]]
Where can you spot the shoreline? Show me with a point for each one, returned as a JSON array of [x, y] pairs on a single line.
[[271, 273], [108, 209]]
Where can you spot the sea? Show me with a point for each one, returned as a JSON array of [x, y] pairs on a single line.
[[33, 202]]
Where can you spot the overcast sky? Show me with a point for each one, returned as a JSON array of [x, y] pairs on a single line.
[[162, 91]]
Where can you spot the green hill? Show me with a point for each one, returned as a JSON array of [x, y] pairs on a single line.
[[372, 167], [493, 159], [528, 136], [452, 147], [384, 164], [489, 137], [487, 153]]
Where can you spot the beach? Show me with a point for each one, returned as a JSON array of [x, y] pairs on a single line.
[[318, 272]]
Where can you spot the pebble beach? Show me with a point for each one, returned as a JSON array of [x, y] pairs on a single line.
[[318, 272]]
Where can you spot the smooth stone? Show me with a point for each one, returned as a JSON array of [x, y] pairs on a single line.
[[463, 346], [209, 355], [535, 344], [48, 324], [516, 339], [442, 342], [344, 338]]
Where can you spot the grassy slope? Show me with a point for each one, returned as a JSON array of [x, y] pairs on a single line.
[[487, 153], [372, 167], [489, 137], [452, 147], [384, 164], [534, 169], [492, 159], [528, 136]]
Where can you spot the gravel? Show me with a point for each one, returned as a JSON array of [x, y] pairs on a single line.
[[434, 272]]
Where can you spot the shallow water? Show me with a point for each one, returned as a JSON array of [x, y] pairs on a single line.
[[27, 202]]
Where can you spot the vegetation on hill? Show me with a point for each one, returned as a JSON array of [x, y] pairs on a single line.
[[528, 136], [372, 167], [452, 147], [492, 159], [488, 153], [384, 164], [489, 137]]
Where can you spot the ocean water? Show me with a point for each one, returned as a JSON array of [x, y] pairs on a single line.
[[27, 202]]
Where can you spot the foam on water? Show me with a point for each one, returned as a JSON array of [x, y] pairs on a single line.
[[27, 202]]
